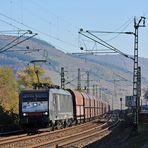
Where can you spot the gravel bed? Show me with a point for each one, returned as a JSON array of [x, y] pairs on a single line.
[[48, 137], [116, 138]]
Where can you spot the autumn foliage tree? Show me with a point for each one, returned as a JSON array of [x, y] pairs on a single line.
[[29, 76], [8, 90]]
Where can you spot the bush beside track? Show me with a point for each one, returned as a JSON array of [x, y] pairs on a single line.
[[8, 122]]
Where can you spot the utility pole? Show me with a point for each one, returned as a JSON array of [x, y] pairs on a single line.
[[139, 81], [100, 87], [114, 97], [87, 81], [121, 104], [79, 79], [93, 90], [112, 102], [97, 91], [62, 78], [100, 94], [137, 24]]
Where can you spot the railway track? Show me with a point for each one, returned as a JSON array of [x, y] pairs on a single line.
[[27, 141], [87, 138], [79, 139], [68, 140], [37, 140], [3, 139]]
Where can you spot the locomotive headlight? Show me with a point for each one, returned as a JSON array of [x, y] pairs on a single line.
[[35, 104], [45, 113], [25, 114]]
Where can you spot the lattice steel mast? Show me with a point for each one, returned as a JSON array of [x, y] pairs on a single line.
[[136, 90]]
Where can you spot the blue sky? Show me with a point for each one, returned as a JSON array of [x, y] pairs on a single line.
[[58, 21]]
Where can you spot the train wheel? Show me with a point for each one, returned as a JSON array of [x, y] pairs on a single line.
[[69, 122], [51, 126], [66, 123], [59, 124]]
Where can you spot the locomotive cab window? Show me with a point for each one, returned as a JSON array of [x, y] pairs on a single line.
[[27, 97], [41, 96], [34, 101]]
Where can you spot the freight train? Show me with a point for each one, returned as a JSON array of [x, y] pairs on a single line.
[[57, 108]]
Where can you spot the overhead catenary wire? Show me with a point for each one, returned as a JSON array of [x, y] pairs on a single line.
[[59, 19], [73, 79], [124, 26], [55, 15], [109, 46], [14, 32], [103, 43], [121, 28], [13, 41], [18, 43], [122, 31], [46, 34], [10, 24]]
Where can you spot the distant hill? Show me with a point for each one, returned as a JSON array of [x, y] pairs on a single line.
[[112, 73], [118, 62]]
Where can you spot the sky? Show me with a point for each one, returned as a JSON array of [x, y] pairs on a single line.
[[59, 21]]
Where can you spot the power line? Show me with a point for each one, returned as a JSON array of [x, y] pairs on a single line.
[[127, 24], [55, 15], [103, 43], [46, 34], [9, 23], [13, 41], [18, 43]]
